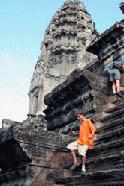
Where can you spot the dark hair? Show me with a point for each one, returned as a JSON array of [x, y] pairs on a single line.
[[79, 113]]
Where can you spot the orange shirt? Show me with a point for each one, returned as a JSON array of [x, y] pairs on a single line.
[[86, 129]]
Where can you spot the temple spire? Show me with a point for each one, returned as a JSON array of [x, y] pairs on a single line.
[[62, 51], [75, 1], [121, 6]]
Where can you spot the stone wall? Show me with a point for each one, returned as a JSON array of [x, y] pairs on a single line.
[[30, 155], [81, 91], [109, 46]]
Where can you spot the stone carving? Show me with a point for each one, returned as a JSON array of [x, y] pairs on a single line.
[[108, 46], [62, 51], [81, 91], [108, 42]]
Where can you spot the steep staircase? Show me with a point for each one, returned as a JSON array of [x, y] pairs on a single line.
[[105, 163]]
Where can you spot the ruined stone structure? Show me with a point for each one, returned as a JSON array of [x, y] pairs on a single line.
[[87, 90], [63, 50], [28, 156], [33, 153], [122, 7], [105, 162], [109, 46], [83, 91]]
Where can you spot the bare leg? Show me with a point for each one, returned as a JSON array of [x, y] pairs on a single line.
[[118, 88], [83, 164], [74, 157], [83, 160], [114, 87], [118, 85]]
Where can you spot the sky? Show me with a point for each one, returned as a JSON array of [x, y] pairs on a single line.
[[22, 27]]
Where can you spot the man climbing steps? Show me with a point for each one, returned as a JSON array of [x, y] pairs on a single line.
[[84, 142], [115, 76]]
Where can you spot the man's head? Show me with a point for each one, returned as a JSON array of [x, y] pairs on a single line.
[[80, 116]]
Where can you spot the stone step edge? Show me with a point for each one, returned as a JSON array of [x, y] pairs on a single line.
[[114, 108], [106, 134], [103, 128], [111, 116], [100, 157], [91, 174]]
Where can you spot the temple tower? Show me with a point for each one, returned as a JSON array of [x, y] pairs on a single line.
[[122, 7], [62, 51]]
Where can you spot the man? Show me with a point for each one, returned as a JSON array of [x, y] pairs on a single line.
[[84, 142], [115, 76]]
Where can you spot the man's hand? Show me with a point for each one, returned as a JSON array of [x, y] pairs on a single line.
[[75, 133], [91, 135]]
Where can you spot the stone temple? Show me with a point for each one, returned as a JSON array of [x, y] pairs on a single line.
[[70, 75], [62, 51]]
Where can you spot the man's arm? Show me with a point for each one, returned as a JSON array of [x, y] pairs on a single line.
[[92, 128], [76, 133]]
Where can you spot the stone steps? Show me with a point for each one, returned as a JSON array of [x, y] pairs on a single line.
[[119, 106], [63, 173], [98, 178], [107, 146], [112, 121], [106, 161], [111, 125], [115, 115], [116, 100], [108, 151], [106, 135]]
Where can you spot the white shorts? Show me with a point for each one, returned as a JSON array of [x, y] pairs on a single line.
[[82, 149]]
